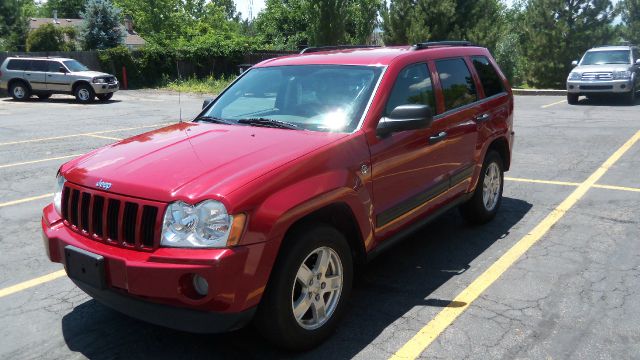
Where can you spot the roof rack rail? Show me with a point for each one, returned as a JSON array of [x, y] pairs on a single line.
[[428, 44], [335, 47]]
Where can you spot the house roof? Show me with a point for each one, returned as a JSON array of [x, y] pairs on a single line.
[[131, 38]]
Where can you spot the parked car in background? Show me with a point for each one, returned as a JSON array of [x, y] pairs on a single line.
[[23, 77], [303, 169], [606, 70]]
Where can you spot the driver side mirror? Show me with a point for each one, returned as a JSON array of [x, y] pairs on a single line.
[[574, 63], [638, 62], [406, 117], [62, 69]]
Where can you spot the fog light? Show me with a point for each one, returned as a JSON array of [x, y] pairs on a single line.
[[570, 86], [201, 285], [623, 86]]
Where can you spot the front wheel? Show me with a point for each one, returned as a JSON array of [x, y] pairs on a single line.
[[631, 97], [486, 199], [572, 99], [308, 289], [84, 94]]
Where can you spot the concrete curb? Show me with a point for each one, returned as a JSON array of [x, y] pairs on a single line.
[[539, 92]]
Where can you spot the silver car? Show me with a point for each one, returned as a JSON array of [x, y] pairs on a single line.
[[606, 70], [26, 76]]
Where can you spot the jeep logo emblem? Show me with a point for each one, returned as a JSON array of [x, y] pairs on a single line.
[[103, 185]]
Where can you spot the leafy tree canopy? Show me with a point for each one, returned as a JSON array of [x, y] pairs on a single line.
[[49, 37], [101, 25]]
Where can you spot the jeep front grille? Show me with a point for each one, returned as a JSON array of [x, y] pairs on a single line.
[[595, 76], [111, 218]]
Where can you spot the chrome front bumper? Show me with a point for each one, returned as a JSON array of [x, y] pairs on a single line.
[[99, 88], [608, 86]]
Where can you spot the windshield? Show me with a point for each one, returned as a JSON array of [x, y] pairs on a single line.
[[606, 57], [311, 97], [75, 66]]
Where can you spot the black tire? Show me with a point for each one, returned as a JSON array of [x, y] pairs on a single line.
[[20, 91], [475, 211], [84, 94], [43, 96], [572, 99], [105, 97], [275, 318], [631, 97]]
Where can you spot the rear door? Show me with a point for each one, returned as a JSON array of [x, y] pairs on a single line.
[[56, 79], [36, 74]]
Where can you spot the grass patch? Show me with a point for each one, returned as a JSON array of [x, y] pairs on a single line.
[[209, 85]]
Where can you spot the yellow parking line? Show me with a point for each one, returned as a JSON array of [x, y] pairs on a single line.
[[83, 134], [104, 137], [416, 345], [37, 161], [612, 187], [20, 201], [31, 283], [552, 104], [550, 182]]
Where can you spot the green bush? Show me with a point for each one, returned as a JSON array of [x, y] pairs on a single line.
[[48, 37]]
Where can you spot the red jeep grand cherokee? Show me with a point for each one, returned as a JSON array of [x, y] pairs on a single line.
[[304, 168]]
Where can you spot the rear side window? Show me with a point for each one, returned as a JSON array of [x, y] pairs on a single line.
[[38, 65], [491, 82], [17, 64], [413, 86], [457, 84]]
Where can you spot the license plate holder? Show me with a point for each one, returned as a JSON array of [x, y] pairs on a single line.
[[85, 266]]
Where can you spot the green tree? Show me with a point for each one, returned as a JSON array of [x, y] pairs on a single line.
[[283, 24], [630, 14], [559, 31], [328, 25], [101, 25], [362, 19], [67, 9], [49, 37], [13, 24], [394, 22]]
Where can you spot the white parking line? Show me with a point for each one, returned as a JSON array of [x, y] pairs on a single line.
[[37, 161]]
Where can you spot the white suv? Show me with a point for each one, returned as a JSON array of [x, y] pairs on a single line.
[[26, 76], [606, 70]]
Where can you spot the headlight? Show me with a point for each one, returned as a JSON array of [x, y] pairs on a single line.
[[621, 75], [100, 81], [575, 76], [205, 225], [57, 196]]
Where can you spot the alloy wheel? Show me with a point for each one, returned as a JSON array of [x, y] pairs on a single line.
[[491, 186]]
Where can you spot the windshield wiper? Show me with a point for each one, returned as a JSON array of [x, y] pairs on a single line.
[[260, 121], [213, 119]]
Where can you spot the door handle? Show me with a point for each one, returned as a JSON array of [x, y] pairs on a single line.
[[437, 138], [482, 118], [49, 75], [28, 74]]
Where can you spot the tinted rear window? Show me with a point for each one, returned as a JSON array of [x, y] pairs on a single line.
[[17, 64], [38, 65], [457, 84], [491, 82]]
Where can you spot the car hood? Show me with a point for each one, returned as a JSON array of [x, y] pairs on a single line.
[[602, 68], [192, 161], [90, 74]]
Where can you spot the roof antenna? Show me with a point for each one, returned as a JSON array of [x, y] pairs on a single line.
[[179, 92]]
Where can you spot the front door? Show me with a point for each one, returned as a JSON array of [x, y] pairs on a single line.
[[57, 80]]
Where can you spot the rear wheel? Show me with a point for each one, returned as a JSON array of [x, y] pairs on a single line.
[[105, 97], [487, 197], [84, 93], [572, 99], [44, 96], [19, 91], [308, 289]]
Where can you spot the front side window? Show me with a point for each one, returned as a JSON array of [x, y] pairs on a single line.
[[54, 66], [75, 66], [311, 97], [413, 86], [458, 87], [491, 82], [602, 57]]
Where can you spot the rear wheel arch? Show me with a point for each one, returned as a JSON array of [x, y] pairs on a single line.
[[501, 146], [17, 80]]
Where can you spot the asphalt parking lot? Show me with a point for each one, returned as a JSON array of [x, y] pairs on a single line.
[[451, 291]]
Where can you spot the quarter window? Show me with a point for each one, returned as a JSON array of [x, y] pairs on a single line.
[[413, 86], [17, 64], [457, 84], [491, 82]]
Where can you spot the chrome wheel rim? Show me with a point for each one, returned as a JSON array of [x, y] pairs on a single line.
[[317, 288], [18, 92], [491, 186], [83, 94]]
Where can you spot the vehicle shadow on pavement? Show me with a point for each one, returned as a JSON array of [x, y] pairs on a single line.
[[607, 101], [387, 290]]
